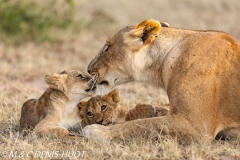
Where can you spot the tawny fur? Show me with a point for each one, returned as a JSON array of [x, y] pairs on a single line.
[[199, 70], [91, 111], [56, 110]]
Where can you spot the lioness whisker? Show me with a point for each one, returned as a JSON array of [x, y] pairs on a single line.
[[90, 81], [93, 79]]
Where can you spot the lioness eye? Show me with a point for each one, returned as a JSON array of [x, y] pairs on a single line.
[[90, 114], [81, 76], [63, 72], [106, 48], [103, 107]]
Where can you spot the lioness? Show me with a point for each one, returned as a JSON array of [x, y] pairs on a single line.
[[199, 70], [105, 110], [56, 110]]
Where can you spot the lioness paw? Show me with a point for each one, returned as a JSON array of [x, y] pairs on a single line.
[[97, 132]]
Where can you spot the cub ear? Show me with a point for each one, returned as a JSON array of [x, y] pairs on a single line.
[[145, 32], [113, 96], [82, 105], [82, 108], [56, 81]]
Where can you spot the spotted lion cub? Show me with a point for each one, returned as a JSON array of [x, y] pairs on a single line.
[[105, 110], [56, 110]]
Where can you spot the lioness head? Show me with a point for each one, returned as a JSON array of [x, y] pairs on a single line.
[[99, 109], [72, 82], [125, 54]]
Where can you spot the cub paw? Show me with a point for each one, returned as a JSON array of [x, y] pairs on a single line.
[[141, 111], [162, 110]]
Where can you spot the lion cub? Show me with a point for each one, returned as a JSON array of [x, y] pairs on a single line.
[[56, 110], [105, 110]]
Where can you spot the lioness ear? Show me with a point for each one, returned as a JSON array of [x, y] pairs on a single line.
[[113, 96], [164, 24], [145, 32], [56, 81]]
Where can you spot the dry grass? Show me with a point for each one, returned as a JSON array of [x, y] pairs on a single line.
[[22, 69]]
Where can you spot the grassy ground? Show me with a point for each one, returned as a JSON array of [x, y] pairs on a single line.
[[23, 66]]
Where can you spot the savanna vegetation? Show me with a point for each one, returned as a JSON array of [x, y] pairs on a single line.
[[40, 37]]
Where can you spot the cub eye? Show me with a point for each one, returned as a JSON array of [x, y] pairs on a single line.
[[90, 114], [103, 107], [81, 76]]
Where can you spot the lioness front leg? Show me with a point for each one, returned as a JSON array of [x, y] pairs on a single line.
[[150, 127]]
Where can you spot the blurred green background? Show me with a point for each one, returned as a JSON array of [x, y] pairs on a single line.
[[47, 36], [46, 20], [39, 37]]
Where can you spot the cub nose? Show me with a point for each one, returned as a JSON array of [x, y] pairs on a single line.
[[99, 122]]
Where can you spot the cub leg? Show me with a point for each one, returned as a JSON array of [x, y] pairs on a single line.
[[146, 111], [49, 128], [140, 111], [29, 118]]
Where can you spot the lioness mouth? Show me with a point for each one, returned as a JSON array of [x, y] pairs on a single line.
[[93, 88], [103, 83]]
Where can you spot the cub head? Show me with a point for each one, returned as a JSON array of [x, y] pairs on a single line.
[[72, 82], [125, 54], [99, 109]]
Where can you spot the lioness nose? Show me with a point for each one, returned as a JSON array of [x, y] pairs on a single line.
[[88, 71], [100, 122]]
